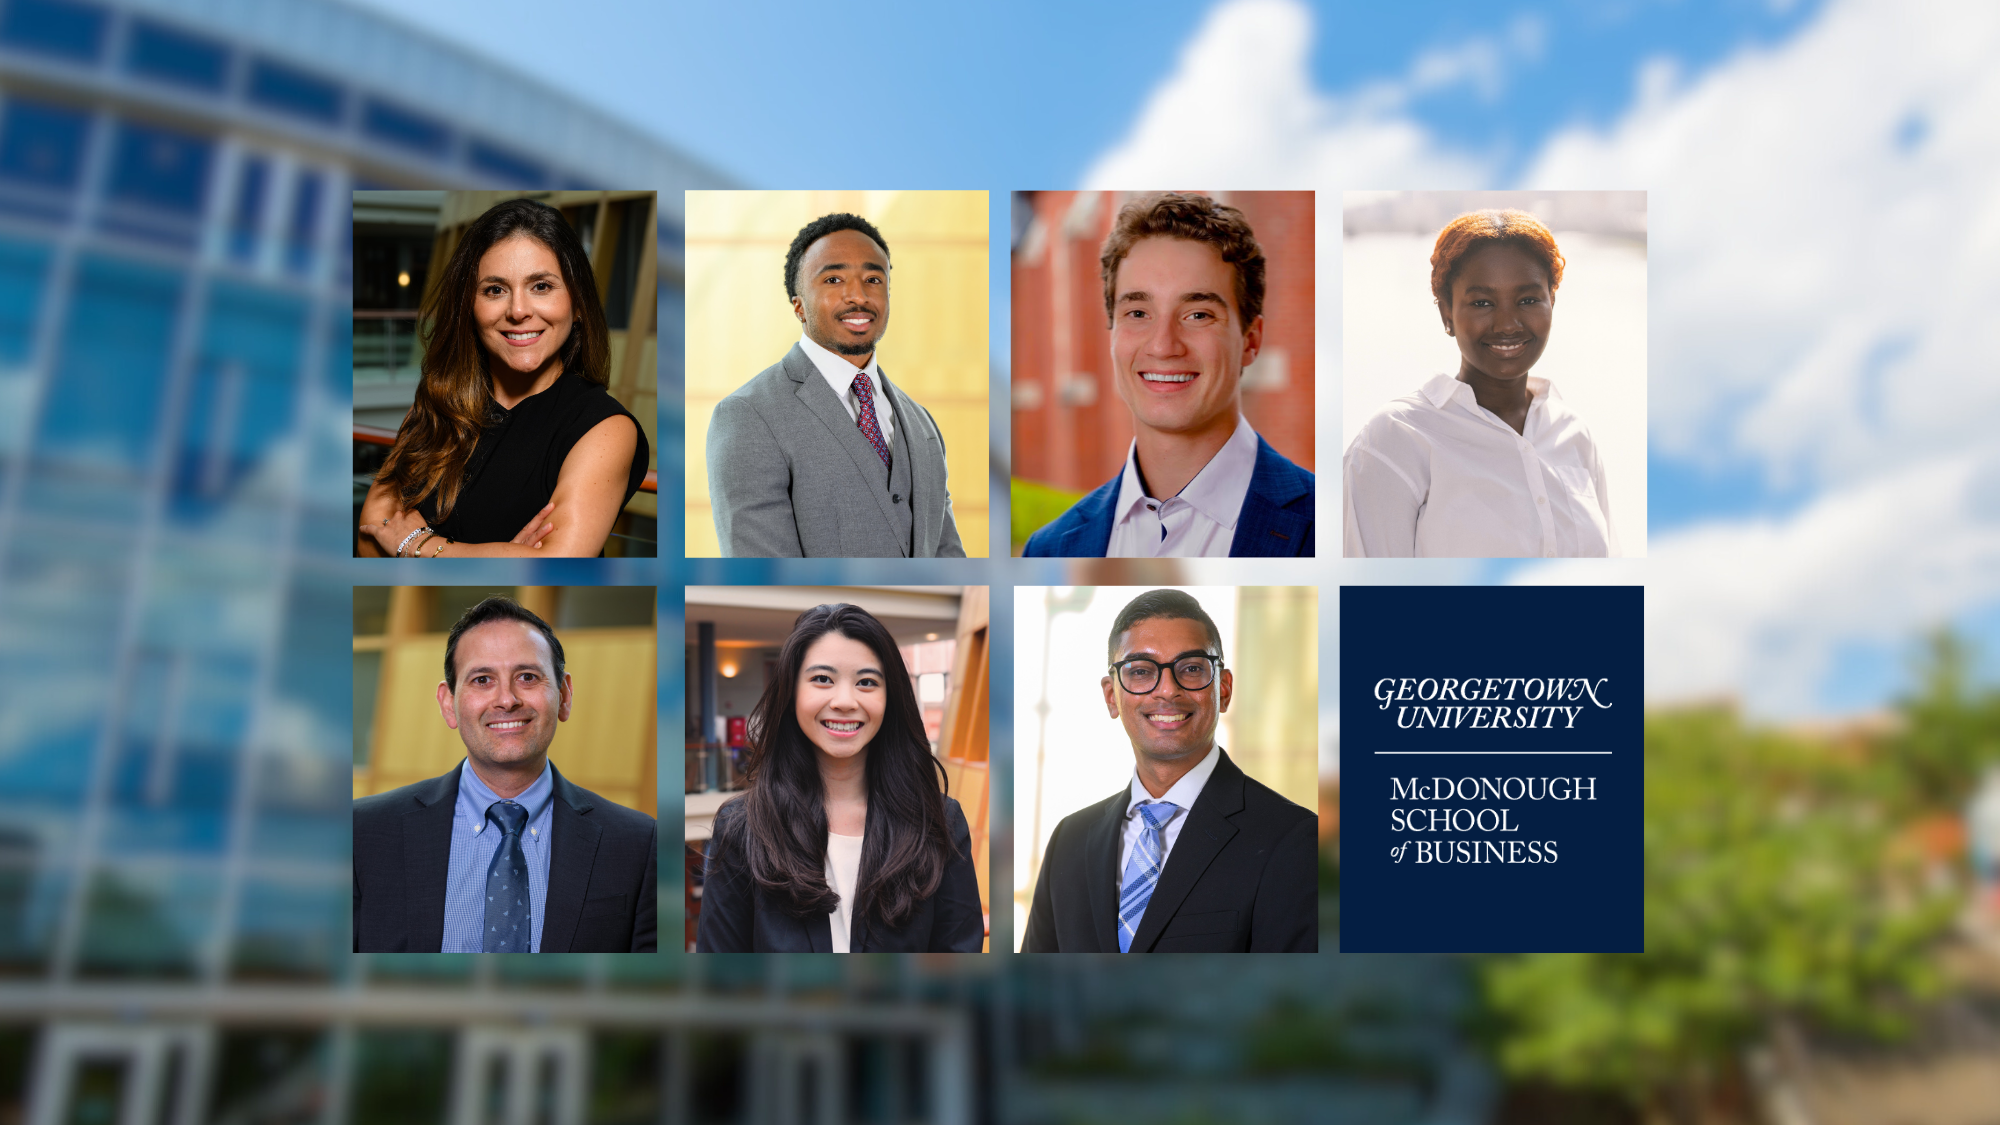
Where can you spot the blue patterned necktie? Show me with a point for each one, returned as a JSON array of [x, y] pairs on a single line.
[[509, 922], [864, 399], [1142, 871]]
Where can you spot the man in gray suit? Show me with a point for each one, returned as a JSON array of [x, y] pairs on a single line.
[[819, 456]]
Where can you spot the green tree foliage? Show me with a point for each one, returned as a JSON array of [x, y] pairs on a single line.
[[1768, 892], [1950, 729]]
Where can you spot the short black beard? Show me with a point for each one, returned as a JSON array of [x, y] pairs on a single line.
[[853, 349]]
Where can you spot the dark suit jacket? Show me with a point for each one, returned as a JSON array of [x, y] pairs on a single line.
[[603, 871], [1243, 877], [1276, 519], [737, 916]]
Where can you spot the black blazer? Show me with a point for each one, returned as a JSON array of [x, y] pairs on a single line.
[[603, 871], [737, 916], [1243, 877]]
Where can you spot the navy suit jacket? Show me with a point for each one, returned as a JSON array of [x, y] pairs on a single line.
[[1243, 877], [603, 871], [1276, 519]]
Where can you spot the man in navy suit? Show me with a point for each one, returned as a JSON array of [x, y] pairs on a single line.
[[1184, 290], [431, 860]]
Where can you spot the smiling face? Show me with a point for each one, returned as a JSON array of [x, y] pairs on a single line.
[[1178, 343], [1169, 725], [522, 306], [507, 702], [1500, 313], [841, 695], [843, 299]]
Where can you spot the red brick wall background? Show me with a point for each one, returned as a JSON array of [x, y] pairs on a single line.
[[1070, 429]]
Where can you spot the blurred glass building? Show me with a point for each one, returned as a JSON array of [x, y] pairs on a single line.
[[174, 758], [176, 629]]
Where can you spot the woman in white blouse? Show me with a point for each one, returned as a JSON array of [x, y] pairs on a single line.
[[845, 840], [1487, 462]]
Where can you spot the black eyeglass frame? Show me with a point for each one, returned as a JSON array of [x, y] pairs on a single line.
[[1118, 671]]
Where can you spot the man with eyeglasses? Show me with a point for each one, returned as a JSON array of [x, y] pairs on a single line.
[[1192, 856]]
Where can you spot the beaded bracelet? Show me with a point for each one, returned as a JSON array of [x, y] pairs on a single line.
[[407, 538]]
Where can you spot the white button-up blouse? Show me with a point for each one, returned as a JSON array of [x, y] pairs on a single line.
[[1436, 475]]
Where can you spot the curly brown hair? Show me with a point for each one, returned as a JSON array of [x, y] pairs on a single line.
[[1476, 230], [1196, 218]]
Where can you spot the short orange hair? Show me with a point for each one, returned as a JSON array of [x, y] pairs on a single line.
[[1476, 230]]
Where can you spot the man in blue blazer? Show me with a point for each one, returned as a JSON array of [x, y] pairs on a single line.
[[1184, 291]]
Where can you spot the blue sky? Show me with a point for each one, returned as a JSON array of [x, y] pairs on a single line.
[[1816, 461], [1027, 95]]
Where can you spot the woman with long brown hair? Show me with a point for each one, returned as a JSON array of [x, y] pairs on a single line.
[[513, 446], [845, 840]]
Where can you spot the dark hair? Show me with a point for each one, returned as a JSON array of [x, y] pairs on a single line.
[[817, 229], [455, 394], [1161, 603], [1196, 218], [783, 826], [496, 608], [1476, 230]]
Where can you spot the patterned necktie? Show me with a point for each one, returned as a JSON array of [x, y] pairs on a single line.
[[509, 923], [864, 398], [1142, 871]]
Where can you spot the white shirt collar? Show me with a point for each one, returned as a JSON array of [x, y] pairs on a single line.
[[1444, 388], [838, 371], [1183, 792], [1217, 491]]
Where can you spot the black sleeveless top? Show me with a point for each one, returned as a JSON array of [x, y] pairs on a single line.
[[513, 469]]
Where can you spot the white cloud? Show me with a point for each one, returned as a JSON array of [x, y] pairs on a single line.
[[1824, 252], [1240, 111], [1759, 608]]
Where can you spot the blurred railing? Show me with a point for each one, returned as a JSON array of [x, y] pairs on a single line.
[[385, 345]]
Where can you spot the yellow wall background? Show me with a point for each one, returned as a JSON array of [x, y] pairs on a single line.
[[608, 746], [739, 321]]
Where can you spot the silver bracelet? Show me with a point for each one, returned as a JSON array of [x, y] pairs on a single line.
[[407, 538]]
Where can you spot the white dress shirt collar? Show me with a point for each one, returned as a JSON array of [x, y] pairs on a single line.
[[839, 374], [1182, 793], [1199, 521], [1444, 388]]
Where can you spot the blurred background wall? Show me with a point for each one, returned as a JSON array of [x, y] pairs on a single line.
[[1393, 340], [740, 321], [1072, 754], [399, 235], [1071, 430], [734, 634], [610, 651]]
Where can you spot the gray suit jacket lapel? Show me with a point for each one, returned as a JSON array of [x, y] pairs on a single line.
[[926, 492], [819, 398]]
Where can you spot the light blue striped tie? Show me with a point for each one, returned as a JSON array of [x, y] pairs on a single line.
[[1142, 871]]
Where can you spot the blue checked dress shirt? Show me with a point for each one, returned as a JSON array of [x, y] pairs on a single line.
[[474, 840]]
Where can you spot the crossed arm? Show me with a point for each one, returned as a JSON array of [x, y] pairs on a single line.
[[574, 524]]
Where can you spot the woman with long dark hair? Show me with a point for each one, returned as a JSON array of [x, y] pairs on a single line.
[[513, 446], [845, 840], [1489, 461]]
